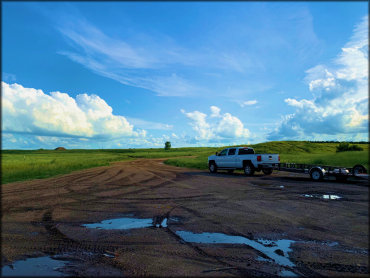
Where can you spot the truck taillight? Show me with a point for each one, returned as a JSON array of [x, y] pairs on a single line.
[[259, 158], [279, 157]]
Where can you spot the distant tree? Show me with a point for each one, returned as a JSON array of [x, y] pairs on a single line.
[[167, 145], [344, 146]]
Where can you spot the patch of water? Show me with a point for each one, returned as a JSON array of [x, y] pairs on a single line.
[[287, 273], [126, 223], [323, 196], [122, 223], [331, 197], [174, 219], [162, 224], [259, 258], [37, 267], [271, 249]]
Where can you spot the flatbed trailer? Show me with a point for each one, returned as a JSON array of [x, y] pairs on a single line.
[[318, 172]]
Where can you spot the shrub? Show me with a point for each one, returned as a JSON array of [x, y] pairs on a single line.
[[344, 146]]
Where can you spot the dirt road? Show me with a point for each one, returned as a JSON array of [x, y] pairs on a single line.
[[326, 236]]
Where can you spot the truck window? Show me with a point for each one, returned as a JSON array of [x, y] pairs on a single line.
[[231, 151], [246, 151], [223, 152]]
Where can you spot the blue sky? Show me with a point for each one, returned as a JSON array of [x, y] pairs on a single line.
[[133, 75]]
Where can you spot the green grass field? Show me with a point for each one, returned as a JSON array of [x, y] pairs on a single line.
[[18, 165]]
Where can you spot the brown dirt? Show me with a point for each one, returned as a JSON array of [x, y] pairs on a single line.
[[45, 216]]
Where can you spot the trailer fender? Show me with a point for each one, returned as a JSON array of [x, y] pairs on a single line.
[[359, 169]]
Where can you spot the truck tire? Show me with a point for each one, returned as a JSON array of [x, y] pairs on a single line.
[[267, 171], [316, 174], [248, 169], [212, 167], [359, 169]]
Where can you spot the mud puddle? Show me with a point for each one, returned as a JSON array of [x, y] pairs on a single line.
[[37, 267], [126, 223], [287, 273], [276, 250], [323, 196]]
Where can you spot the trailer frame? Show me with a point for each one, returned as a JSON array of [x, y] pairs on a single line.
[[318, 172]]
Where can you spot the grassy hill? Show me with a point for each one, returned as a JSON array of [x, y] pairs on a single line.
[[19, 165]]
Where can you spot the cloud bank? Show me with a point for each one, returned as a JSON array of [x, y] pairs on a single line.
[[339, 106], [31, 111]]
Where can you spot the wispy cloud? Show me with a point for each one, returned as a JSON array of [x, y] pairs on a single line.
[[156, 63], [248, 103], [149, 124], [8, 77]]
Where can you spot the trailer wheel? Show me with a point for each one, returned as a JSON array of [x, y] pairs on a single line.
[[359, 169], [316, 174], [267, 171], [248, 169], [212, 167]]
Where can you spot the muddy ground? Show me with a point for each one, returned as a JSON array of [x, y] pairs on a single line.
[[45, 217]]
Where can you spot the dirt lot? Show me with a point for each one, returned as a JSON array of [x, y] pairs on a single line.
[[44, 217]]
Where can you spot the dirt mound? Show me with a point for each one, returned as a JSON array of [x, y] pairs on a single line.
[[60, 149]]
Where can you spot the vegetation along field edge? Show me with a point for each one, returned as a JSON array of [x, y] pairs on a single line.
[[20, 165]]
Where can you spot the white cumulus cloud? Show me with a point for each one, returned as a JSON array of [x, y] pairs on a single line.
[[339, 107], [219, 126], [31, 111]]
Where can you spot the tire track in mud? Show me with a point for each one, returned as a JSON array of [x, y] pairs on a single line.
[[66, 244]]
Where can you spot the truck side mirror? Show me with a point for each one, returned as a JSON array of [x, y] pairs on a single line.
[[216, 153]]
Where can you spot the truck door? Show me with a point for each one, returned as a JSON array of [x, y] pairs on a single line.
[[231, 158], [221, 158]]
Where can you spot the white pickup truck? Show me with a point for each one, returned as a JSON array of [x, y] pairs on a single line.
[[243, 158]]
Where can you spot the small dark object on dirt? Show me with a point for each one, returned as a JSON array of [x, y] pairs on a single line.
[[279, 252], [60, 149]]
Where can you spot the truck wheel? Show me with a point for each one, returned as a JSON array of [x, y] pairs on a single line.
[[230, 171], [316, 174], [212, 167], [248, 169], [359, 169]]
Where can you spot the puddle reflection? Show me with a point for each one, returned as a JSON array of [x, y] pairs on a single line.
[[323, 196], [287, 273], [126, 223], [122, 223], [276, 250], [37, 267]]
